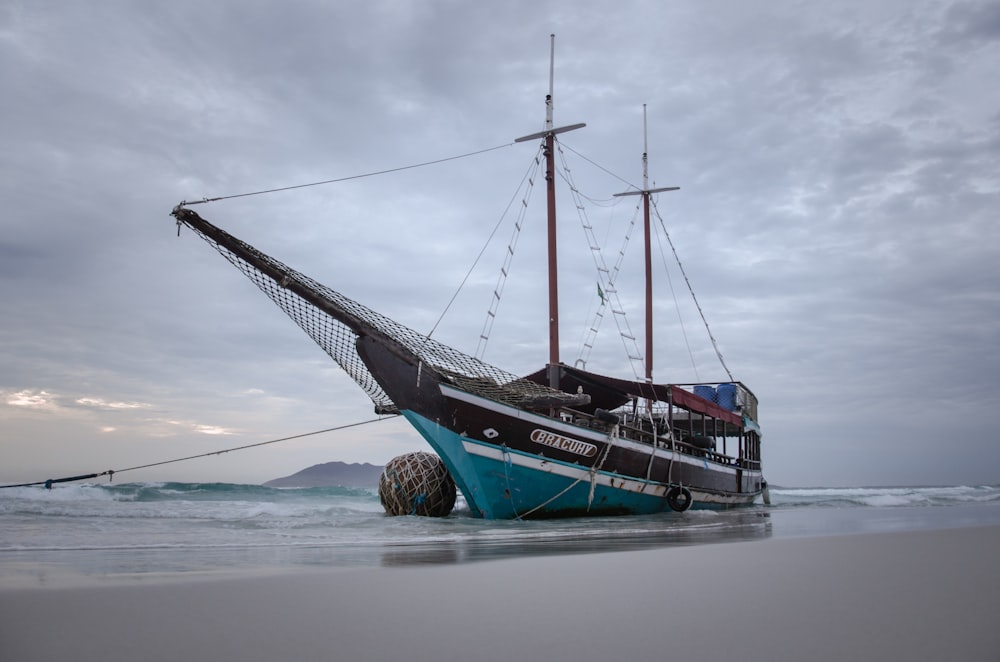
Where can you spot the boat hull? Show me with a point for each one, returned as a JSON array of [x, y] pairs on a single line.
[[499, 482], [511, 462]]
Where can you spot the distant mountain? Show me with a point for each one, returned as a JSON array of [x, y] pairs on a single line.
[[332, 474]]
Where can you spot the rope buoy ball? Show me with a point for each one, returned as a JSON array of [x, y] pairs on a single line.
[[679, 498], [416, 484]]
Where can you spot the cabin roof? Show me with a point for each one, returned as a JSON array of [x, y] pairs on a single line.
[[610, 393]]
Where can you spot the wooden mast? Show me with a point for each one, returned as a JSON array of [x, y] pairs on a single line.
[[549, 135], [645, 193]]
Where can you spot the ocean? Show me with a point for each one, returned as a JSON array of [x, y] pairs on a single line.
[[146, 531]]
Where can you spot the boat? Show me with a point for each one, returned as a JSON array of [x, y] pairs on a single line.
[[562, 441]]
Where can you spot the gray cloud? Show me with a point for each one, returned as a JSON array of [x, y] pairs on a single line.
[[837, 215]]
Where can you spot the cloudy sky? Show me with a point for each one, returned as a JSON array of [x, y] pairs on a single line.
[[837, 218]]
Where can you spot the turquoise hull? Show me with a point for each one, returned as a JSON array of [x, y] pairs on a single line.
[[500, 483]]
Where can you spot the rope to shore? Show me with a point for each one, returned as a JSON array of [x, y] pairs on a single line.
[[110, 473]]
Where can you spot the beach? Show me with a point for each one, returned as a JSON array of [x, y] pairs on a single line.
[[926, 594]]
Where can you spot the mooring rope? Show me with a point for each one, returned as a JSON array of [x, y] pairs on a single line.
[[593, 481], [110, 473], [545, 503], [343, 179], [612, 435], [507, 462]]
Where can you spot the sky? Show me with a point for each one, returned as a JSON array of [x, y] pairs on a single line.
[[837, 218]]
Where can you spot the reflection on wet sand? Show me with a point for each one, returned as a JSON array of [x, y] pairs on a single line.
[[568, 537]]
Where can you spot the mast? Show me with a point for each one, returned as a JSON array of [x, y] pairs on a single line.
[[549, 135], [645, 193]]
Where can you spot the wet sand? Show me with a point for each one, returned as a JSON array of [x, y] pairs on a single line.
[[928, 595]]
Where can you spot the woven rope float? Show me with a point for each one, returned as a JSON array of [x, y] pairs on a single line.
[[416, 484]]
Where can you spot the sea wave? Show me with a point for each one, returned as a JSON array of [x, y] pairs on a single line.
[[229, 501], [149, 527], [884, 497], [222, 502]]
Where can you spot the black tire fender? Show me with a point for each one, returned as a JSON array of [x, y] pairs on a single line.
[[679, 498]]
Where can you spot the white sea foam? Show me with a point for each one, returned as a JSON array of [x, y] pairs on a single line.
[[885, 496]]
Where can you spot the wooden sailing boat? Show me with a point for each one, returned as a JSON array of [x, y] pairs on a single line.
[[560, 442]]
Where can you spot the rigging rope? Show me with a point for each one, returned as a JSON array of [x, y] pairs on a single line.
[[342, 179], [491, 312], [715, 345], [677, 307], [527, 177], [600, 167], [606, 279], [111, 472]]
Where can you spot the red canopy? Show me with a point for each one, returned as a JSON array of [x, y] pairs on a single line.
[[611, 393]]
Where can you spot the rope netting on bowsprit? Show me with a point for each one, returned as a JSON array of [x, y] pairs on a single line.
[[335, 322], [416, 484]]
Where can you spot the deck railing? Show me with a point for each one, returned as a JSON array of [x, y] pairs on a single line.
[[648, 432]]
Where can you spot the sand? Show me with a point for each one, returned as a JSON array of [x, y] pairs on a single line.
[[925, 595]]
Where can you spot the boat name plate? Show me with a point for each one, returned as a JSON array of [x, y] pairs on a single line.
[[562, 443]]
